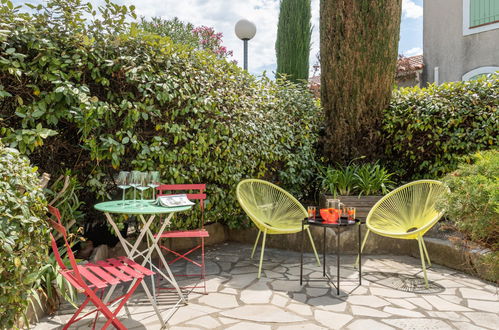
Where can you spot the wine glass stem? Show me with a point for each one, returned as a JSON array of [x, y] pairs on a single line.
[[123, 199], [134, 194]]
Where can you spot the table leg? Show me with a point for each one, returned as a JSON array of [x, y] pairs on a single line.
[[130, 253], [324, 254], [360, 256], [170, 278], [301, 258], [338, 231]]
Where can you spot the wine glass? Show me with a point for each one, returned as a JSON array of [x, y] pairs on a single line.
[[135, 177], [123, 182], [143, 185], [154, 182]]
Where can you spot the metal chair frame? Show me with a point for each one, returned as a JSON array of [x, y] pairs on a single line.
[[201, 233], [93, 277]]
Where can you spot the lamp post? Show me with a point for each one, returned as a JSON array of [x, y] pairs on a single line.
[[245, 30]]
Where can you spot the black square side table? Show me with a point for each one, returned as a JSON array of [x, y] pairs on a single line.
[[337, 226]]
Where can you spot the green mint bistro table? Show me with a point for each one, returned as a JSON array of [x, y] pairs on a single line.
[[146, 212], [320, 223]]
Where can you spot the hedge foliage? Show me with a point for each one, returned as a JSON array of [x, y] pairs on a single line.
[[427, 131], [23, 234], [100, 95], [473, 203]]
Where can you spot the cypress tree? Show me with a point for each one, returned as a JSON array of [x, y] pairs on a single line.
[[294, 32], [359, 49]]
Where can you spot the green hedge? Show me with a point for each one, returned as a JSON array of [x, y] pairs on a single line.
[[473, 204], [427, 131], [23, 234], [102, 96]]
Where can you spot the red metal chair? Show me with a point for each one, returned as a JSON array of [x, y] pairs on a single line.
[[90, 278], [193, 192]]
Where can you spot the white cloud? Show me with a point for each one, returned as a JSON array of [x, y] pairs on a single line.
[[411, 9], [413, 51]]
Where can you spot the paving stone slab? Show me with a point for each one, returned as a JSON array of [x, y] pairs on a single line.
[[368, 324], [402, 312], [219, 300], [444, 305], [332, 320], [367, 311], [487, 320], [370, 301], [248, 325], [418, 324], [486, 306], [306, 326], [262, 313], [478, 294]]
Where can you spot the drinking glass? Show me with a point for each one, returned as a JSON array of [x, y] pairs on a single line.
[[143, 185], [123, 182], [154, 180], [311, 212], [351, 213], [135, 177]]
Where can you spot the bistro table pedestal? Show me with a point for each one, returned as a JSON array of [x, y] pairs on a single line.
[[337, 226], [146, 212]]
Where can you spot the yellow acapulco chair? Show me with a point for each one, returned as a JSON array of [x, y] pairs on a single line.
[[407, 212], [273, 210]]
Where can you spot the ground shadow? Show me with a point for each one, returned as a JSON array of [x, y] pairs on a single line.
[[403, 282]]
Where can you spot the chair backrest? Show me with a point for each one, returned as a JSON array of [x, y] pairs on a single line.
[[269, 205], [408, 207], [59, 227], [193, 192]]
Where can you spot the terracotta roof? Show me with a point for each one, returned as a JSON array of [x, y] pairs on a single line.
[[410, 64]]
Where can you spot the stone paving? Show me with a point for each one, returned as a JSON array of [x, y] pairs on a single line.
[[391, 296]]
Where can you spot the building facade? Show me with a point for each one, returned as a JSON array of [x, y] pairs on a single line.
[[460, 39]]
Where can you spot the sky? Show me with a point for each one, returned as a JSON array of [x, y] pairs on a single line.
[[222, 15]]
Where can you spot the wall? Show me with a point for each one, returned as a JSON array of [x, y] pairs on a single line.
[[444, 45]]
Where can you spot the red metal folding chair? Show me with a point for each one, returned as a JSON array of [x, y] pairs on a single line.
[[93, 277], [193, 192]]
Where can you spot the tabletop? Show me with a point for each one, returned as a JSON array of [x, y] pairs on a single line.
[[137, 207], [322, 223]]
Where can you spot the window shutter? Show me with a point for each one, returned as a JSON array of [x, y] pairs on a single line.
[[483, 12]]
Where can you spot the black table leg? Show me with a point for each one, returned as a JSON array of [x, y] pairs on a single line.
[[338, 259], [360, 256], [324, 254], [301, 259]]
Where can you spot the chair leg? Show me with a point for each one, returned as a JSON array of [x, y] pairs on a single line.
[[313, 247], [256, 242], [421, 253], [261, 254], [203, 268], [361, 248], [426, 252]]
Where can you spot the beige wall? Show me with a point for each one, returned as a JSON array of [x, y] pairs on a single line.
[[445, 47]]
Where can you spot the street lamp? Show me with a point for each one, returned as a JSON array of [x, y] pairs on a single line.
[[245, 30]]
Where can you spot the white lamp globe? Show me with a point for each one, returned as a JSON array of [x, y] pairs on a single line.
[[245, 30]]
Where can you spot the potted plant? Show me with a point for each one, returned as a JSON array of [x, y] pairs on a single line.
[[359, 186]]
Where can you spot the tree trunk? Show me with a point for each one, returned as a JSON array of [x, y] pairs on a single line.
[[359, 48]]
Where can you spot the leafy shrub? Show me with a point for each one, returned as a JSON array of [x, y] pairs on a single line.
[[101, 95], [428, 130], [473, 201], [23, 235], [353, 179], [473, 206], [202, 37]]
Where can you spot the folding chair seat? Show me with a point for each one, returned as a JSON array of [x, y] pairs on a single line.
[[91, 278], [193, 192]]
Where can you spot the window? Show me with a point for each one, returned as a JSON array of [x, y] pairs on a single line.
[[480, 16], [483, 12], [476, 73]]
